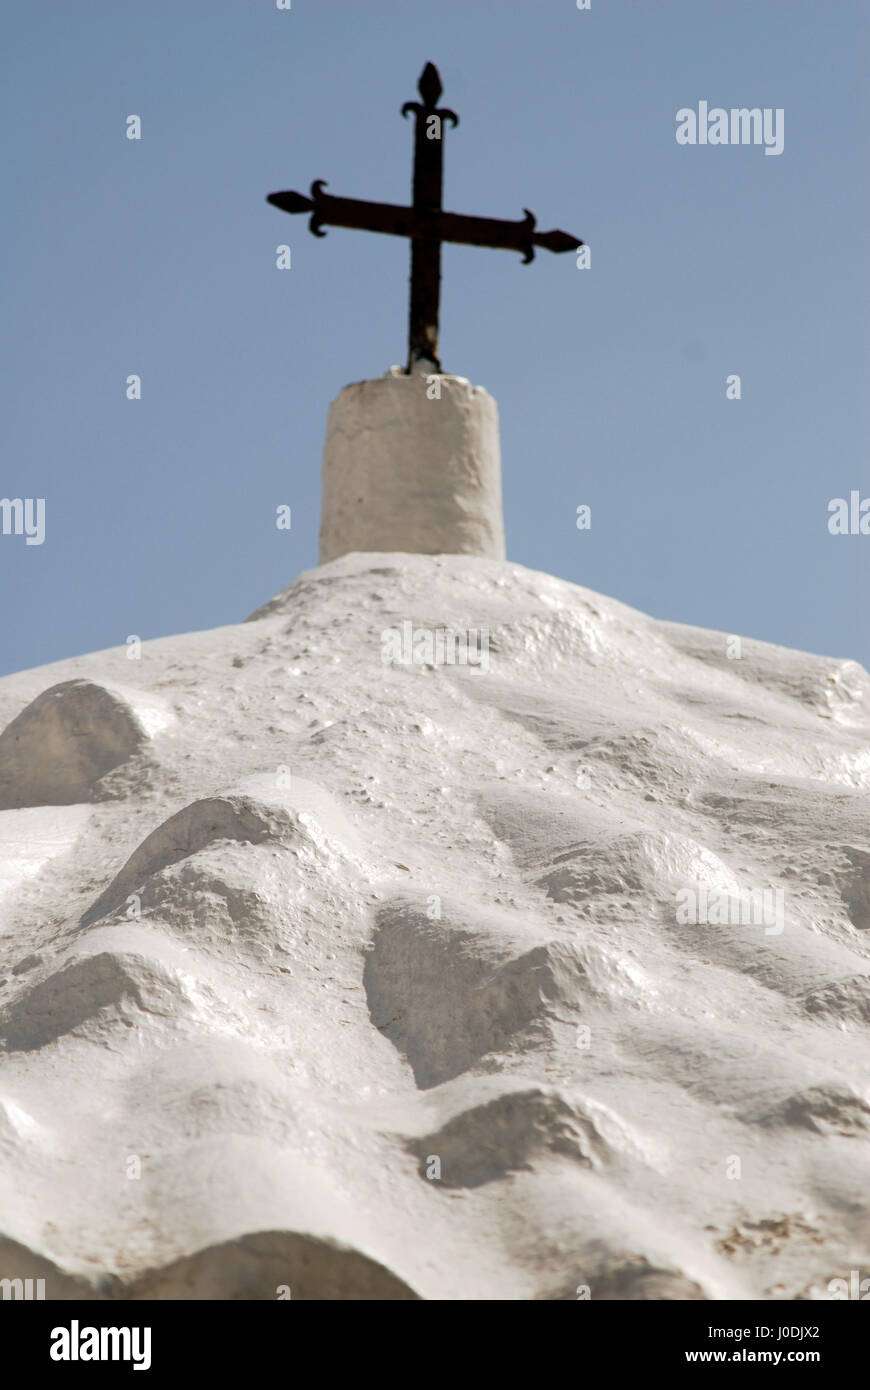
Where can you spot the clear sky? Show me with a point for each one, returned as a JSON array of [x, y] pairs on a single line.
[[158, 257]]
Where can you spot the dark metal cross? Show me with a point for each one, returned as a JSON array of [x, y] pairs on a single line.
[[425, 222]]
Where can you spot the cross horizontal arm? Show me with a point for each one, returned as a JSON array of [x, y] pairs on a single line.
[[509, 236], [411, 222]]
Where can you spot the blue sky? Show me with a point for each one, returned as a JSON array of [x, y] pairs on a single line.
[[157, 257]]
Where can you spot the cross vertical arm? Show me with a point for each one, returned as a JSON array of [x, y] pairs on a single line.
[[427, 190]]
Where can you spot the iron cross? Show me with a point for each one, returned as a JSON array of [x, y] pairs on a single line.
[[425, 221]]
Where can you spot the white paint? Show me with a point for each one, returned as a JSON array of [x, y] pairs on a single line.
[[412, 463], [31, 837], [288, 1035]]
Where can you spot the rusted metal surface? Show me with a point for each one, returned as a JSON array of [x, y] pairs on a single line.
[[425, 222]]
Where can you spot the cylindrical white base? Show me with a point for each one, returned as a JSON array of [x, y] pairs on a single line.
[[412, 463]]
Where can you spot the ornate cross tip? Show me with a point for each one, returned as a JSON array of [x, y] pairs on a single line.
[[290, 202], [430, 89], [429, 86], [558, 241]]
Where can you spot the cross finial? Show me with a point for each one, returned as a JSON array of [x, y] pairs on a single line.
[[424, 222], [430, 89], [429, 85]]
